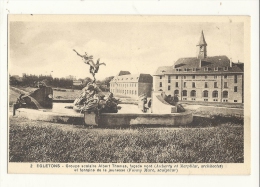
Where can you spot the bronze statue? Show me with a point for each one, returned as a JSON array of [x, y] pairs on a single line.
[[94, 67]]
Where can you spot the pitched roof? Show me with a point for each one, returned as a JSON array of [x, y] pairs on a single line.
[[123, 73], [202, 40], [186, 66], [143, 78]]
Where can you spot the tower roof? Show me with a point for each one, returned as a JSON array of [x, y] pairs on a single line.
[[202, 40]]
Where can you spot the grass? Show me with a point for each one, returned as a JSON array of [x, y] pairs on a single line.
[[13, 96], [31, 141]]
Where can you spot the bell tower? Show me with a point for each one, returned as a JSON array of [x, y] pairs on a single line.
[[202, 52]]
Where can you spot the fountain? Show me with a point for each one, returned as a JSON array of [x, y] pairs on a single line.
[[94, 108]]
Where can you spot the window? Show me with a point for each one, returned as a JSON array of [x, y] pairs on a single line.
[[176, 92], [169, 87], [184, 84], [185, 69], [184, 99], [215, 68], [225, 85], [178, 69], [235, 88], [160, 84], [184, 77], [176, 84], [205, 99], [206, 85], [193, 76], [193, 93], [135, 92], [225, 68], [215, 93], [235, 101], [235, 78], [193, 69], [193, 99], [225, 94], [215, 99], [206, 76], [206, 69], [169, 79], [225, 76], [160, 77], [205, 93], [193, 85], [215, 84], [177, 77], [215, 76], [184, 93]]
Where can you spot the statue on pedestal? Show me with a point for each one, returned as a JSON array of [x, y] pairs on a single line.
[[94, 67], [91, 97]]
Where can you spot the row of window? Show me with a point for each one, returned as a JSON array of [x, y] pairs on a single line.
[[194, 77], [205, 93], [205, 69], [123, 85], [130, 78], [131, 92], [194, 85], [194, 99]]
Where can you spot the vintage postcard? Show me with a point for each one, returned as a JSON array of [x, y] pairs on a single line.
[[129, 94]]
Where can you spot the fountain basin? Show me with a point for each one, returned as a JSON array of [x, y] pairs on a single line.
[[130, 119], [129, 115]]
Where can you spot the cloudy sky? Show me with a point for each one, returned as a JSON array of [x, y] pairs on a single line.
[[47, 47]]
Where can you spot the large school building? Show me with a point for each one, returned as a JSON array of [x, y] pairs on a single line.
[[202, 78], [126, 84]]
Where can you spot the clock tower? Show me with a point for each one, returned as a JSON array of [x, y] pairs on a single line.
[[202, 45]]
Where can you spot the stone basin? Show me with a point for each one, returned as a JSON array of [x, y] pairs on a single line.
[[128, 115]]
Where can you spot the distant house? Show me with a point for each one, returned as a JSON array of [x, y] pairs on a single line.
[[131, 85], [77, 83]]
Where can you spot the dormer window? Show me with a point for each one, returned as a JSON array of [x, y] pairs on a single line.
[[193, 69], [225, 68], [177, 69], [206, 69], [185, 69], [215, 68]]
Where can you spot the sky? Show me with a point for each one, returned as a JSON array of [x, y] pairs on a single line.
[[139, 47]]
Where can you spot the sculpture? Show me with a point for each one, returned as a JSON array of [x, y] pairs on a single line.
[[91, 97], [94, 67]]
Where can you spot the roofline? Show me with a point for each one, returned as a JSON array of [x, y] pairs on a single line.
[[200, 73]]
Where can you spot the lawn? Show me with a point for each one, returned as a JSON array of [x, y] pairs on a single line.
[[202, 142]]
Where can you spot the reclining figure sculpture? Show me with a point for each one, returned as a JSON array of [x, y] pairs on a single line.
[[93, 99]]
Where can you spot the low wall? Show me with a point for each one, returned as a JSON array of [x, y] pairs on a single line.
[[175, 119]]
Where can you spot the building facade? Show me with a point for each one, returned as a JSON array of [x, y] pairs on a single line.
[[202, 78], [126, 84]]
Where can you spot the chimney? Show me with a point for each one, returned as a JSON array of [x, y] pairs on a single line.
[[200, 64], [230, 62]]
